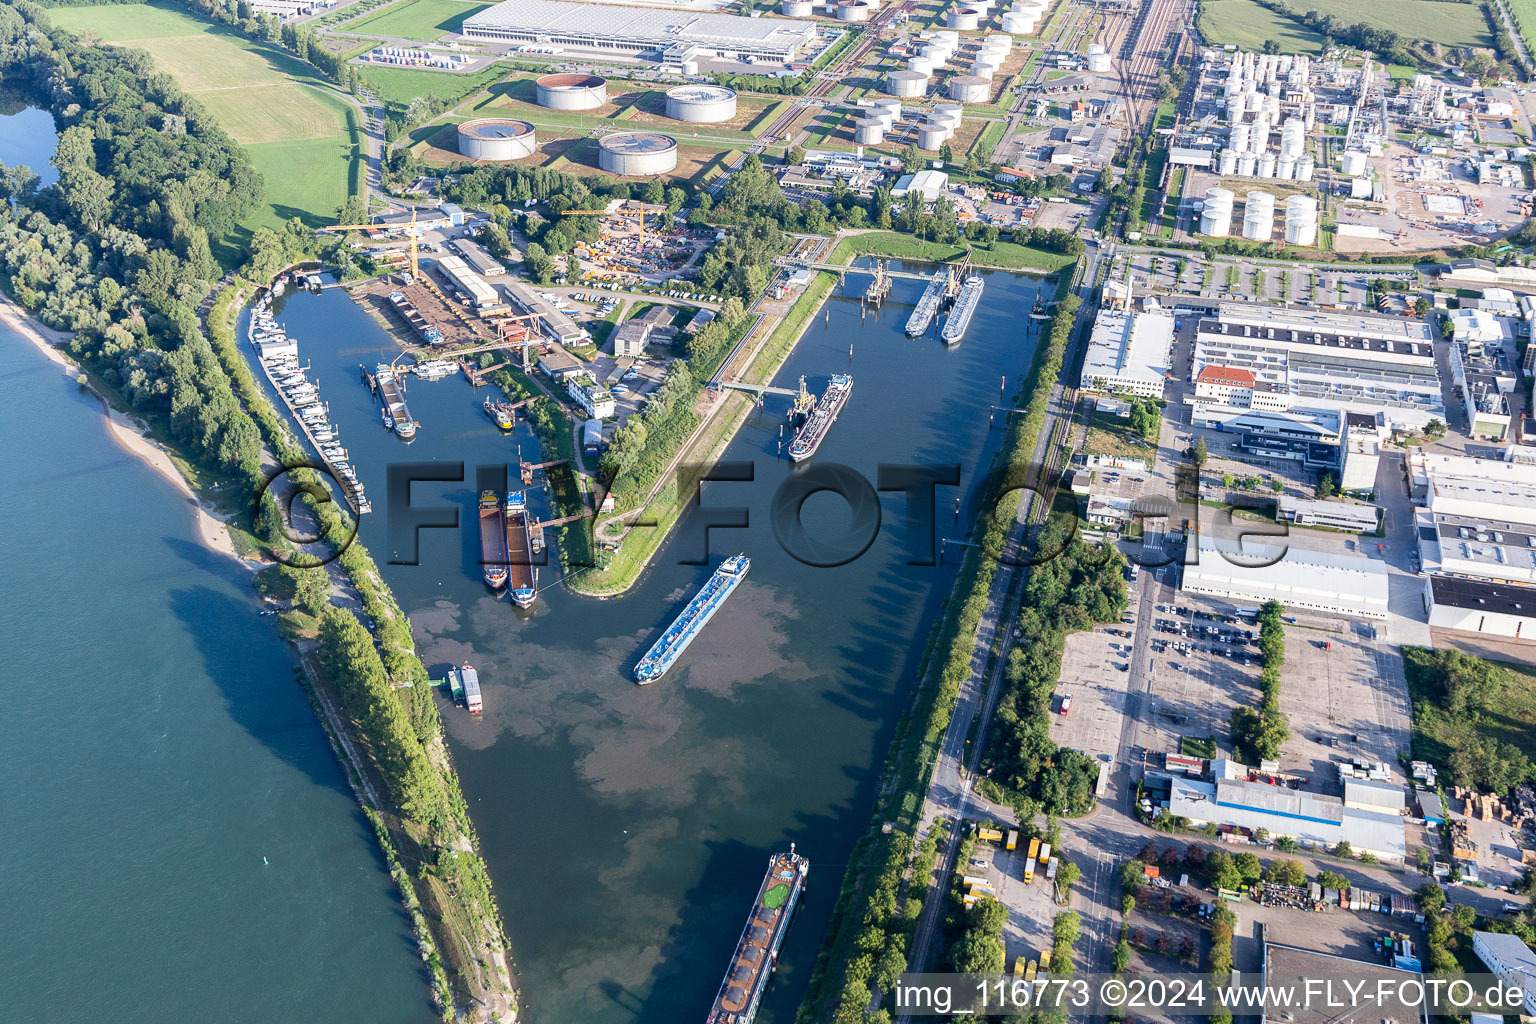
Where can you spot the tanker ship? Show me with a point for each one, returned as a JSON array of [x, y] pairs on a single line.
[[819, 423], [520, 551], [493, 541], [665, 652], [757, 951], [928, 305], [964, 308]]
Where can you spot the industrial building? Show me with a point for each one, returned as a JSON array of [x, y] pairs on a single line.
[[1508, 954], [631, 338], [1335, 515], [1316, 438], [637, 154], [1292, 967], [675, 36], [1226, 385], [553, 324], [1314, 820], [595, 400], [1129, 352], [1250, 573], [929, 184], [496, 138], [1476, 606], [1328, 360], [474, 286]]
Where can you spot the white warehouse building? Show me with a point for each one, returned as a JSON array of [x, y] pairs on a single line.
[[1250, 573], [1128, 352], [640, 30]]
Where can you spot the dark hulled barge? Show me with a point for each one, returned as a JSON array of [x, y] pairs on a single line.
[[520, 552], [819, 423], [757, 951], [493, 541]]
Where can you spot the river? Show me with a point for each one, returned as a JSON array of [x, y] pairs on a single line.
[[627, 828], [179, 842]]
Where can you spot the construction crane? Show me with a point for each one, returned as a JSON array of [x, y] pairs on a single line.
[[411, 233], [508, 325], [643, 208]]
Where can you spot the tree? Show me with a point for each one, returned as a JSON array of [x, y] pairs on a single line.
[[538, 263], [1325, 487], [1222, 870], [1421, 307], [947, 153], [1201, 454], [311, 589], [1133, 875], [1067, 873], [1343, 848], [1332, 880], [794, 156], [1434, 429], [1431, 899], [1248, 866]]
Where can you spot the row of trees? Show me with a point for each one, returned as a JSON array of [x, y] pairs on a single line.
[[1258, 735]]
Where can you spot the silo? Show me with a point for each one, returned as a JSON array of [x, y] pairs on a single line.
[[797, 8], [931, 137], [637, 154], [1304, 167], [1098, 59], [1235, 108], [920, 64], [1020, 23], [1267, 164], [949, 122], [1252, 101], [1285, 167], [1216, 218], [1247, 165], [570, 92], [985, 72], [869, 131], [1259, 217], [1301, 220], [1354, 163], [947, 38], [1241, 134], [963, 18], [701, 104], [854, 10], [906, 84], [970, 89], [886, 116], [1227, 162], [885, 104], [496, 138]]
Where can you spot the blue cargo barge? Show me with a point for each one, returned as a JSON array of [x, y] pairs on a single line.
[[665, 652]]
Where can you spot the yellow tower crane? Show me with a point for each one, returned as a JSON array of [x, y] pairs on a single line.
[[412, 232]]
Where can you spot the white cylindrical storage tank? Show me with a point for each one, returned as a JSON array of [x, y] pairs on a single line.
[[998, 41], [1226, 162], [948, 38], [637, 154], [1098, 59], [1216, 217], [1292, 137], [884, 104], [1241, 134], [949, 122], [1253, 102], [1267, 164], [869, 131], [496, 138], [963, 18], [970, 89], [985, 72], [1247, 165], [797, 8], [920, 64], [1301, 220], [1354, 163], [906, 84], [948, 108], [1304, 167], [854, 10], [931, 136], [1259, 216], [570, 92], [1020, 23], [885, 116], [1285, 167], [701, 104]]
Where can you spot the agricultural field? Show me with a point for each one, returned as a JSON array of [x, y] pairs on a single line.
[[398, 86], [420, 20], [1246, 24], [1524, 12], [293, 125]]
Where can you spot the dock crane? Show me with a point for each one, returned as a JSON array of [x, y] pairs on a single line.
[[412, 232]]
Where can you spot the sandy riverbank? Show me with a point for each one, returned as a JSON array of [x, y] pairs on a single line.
[[129, 435]]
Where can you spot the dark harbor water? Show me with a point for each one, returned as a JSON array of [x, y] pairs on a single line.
[[179, 843], [27, 138], [627, 828]]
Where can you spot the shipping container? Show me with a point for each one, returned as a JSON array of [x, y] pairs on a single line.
[[1013, 839], [1045, 853]]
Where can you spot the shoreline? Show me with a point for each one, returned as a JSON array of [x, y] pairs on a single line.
[[128, 435]]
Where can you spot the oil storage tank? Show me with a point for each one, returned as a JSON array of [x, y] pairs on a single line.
[[637, 154], [906, 84], [965, 19], [854, 10], [496, 138], [931, 137], [1098, 59], [1301, 220], [970, 89], [1354, 163], [869, 131], [797, 8], [1216, 217], [701, 104], [571, 92], [1259, 216]]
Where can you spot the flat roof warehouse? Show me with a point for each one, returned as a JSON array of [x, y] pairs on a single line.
[[638, 29]]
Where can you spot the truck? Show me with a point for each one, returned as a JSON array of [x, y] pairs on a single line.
[[972, 880], [1029, 861], [989, 835], [1013, 839], [1045, 853], [1050, 870]]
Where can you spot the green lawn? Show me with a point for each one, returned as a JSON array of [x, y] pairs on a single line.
[[1008, 255], [398, 86], [298, 130], [1246, 24], [421, 20], [1525, 20]]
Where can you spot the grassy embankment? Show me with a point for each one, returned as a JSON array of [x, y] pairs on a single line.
[[299, 131], [421, 20], [1249, 26], [1002, 256], [842, 975], [443, 882]]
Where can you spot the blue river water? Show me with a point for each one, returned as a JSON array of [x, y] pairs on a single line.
[[627, 828], [179, 843]]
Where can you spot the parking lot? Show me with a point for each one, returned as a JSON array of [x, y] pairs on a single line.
[[1262, 281], [1093, 675], [1031, 905], [1202, 667]]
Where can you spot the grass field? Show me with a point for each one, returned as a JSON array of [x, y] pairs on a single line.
[[295, 127], [1506, 712], [1248, 25], [1525, 20], [421, 20], [398, 86]]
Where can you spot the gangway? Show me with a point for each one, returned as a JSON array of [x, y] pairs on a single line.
[[839, 269], [759, 389]]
